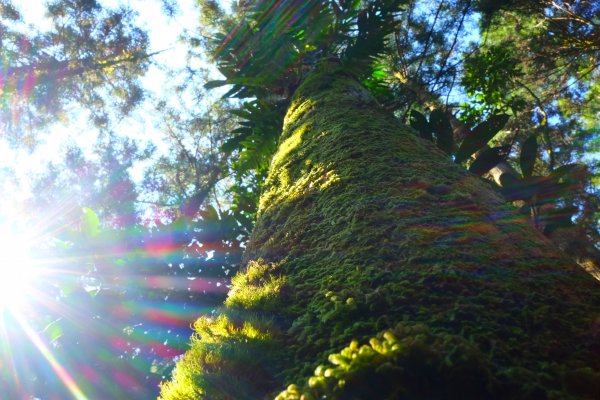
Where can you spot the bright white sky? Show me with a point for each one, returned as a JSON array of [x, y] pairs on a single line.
[[163, 32]]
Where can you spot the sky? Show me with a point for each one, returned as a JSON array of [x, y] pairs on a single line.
[[164, 34]]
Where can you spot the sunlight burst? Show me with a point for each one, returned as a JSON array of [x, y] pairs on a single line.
[[17, 271]]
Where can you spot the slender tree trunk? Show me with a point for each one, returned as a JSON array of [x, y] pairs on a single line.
[[365, 228]]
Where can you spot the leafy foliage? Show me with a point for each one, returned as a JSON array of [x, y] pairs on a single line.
[[307, 34], [90, 55], [480, 136], [440, 128], [488, 77], [256, 141], [547, 199]]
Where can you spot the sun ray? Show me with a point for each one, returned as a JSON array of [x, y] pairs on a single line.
[[7, 361], [20, 298], [84, 326], [17, 269], [60, 371]]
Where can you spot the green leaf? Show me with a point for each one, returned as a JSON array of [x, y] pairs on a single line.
[[488, 159], [241, 113], [299, 35], [244, 92], [442, 130], [480, 136], [63, 244], [53, 330], [233, 92], [528, 155], [235, 143], [379, 72], [67, 287], [90, 223], [244, 130], [215, 84], [420, 124]]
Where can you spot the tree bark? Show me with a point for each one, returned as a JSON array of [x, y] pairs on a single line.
[[364, 228]]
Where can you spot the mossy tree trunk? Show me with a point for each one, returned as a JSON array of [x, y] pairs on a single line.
[[364, 228]]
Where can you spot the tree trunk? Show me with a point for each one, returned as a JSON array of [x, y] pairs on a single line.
[[364, 228]]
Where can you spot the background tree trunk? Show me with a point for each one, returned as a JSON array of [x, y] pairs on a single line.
[[364, 227]]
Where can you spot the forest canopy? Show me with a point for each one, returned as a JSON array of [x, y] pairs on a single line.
[[243, 212]]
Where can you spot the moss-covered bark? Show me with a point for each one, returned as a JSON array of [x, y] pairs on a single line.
[[365, 231]]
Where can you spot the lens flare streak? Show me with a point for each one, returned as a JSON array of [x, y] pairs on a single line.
[[60, 371]]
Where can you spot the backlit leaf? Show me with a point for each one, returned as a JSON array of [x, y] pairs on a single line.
[[90, 224], [53, 330]]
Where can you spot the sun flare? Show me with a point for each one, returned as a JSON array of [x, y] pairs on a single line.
[[17, 271]]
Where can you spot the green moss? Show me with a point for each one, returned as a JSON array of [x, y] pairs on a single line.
[[403, 363], [412, 362], [363, 226], [259, 286], [227, 360]]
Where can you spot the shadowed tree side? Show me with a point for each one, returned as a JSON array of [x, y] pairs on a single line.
[[364, 228]]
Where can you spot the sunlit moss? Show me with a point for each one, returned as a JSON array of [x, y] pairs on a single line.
[[258, 287], [287, 146], [225, 351], [296, 110], [316, 177]]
